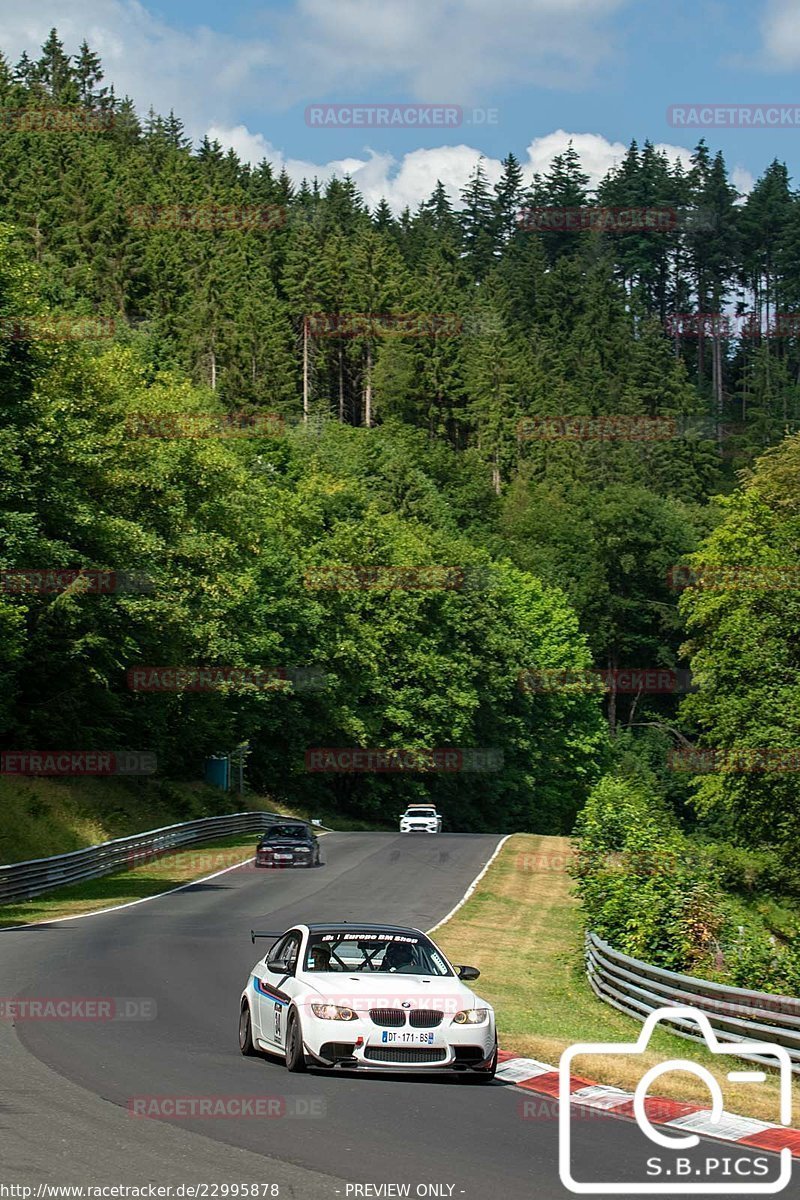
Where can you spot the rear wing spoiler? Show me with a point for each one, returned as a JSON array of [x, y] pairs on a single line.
[[265, 933]]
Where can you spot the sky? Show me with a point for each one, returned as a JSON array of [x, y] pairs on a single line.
[[526, 76]]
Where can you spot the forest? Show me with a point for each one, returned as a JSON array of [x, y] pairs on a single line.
[[240, 389]]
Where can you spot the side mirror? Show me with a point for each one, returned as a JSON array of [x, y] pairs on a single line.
[[468, 972]]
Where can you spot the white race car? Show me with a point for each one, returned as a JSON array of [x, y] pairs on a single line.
[[420, 818], [366, 998]]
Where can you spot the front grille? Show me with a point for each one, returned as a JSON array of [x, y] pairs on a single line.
[[425, 1018], [388, 1017], [470, 1054], [336, 1050], [405, 1054]]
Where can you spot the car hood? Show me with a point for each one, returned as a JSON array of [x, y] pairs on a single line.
[[377, 990]]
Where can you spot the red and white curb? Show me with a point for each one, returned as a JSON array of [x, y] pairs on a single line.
[[533, 1076]]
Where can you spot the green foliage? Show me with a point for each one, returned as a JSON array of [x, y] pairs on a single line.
[[576, 537], [656, 894], [742, 645], [645, 889]]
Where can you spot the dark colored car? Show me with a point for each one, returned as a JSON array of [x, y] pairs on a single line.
[[289, 844]]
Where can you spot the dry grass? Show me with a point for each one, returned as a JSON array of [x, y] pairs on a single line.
[[157, 875], [522, 927]]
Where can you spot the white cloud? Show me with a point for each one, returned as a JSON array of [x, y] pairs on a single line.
[[596, 153], [203, 75], [403, 182], [447, 50], [780, 28], [411, 179], [452, 51], [742, 180]]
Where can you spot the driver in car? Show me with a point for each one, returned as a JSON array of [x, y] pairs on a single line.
[[320, 959], [399, 957]]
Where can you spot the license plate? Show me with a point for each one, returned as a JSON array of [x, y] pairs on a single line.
[[405, 1037]]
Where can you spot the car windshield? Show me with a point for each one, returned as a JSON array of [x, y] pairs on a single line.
[[421, 812], [365, 951], [286, 831]]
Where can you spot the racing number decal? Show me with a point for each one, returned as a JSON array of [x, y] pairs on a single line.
[[278, 1008]]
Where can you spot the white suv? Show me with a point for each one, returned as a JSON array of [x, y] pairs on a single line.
[[420, 818]]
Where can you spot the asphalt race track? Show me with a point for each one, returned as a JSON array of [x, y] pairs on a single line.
[[66, 1085]]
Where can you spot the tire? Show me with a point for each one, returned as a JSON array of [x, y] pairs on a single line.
[[485, 1076], [295, 1056], [246, 1043]]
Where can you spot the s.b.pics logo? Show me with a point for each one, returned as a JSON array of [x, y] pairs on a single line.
[[672, 1160]]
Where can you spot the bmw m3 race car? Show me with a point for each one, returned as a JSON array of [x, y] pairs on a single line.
[[366, 998], [289, 844]]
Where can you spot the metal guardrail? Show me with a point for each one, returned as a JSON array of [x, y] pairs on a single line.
[[21, 881], [735, 1014]]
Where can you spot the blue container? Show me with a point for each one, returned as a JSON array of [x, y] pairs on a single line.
[[218, 769]]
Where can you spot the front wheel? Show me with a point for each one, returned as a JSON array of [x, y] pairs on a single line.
[[295, 1055], [485, 1076], [246, 1043]]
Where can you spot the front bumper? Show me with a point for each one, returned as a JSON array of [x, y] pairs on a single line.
[[431, 827], [357, 1045], [296, 860]]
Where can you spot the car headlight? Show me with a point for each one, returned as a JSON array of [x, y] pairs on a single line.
[[333, 1012], [471, 1016]]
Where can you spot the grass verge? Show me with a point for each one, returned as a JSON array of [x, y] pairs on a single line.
[[42, 816], [522, 927], [157, 875]]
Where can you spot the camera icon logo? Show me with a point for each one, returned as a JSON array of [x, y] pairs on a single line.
[[672, 1140]]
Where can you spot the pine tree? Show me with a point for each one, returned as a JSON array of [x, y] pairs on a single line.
[[25, 71], [53, 69], [305, 285], [88, 73], [563, 187], [712, 254], [375, 278], [478, 228], [382, 217], [508, 198]]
